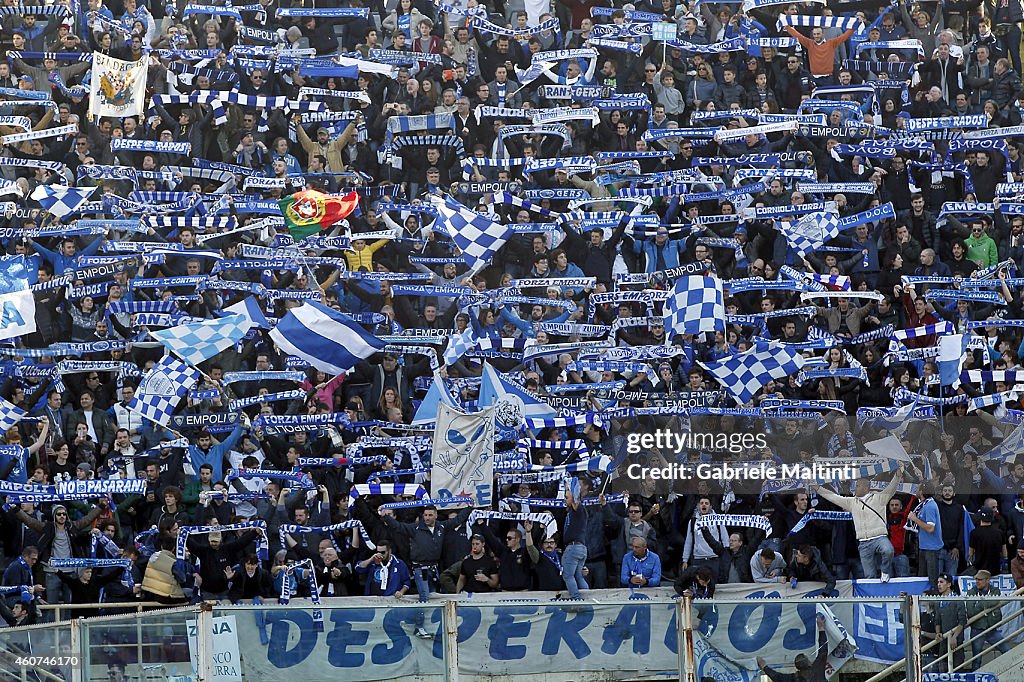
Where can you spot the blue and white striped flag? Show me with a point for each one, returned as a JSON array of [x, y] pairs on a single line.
[[695, 306], [745, 374], [162, 389], [195, 343], [950, 361], [61, 200], [478, 237], [324, 338]]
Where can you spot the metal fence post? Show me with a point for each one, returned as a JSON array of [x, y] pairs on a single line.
[[76, 650], [689, 664], [450, 620], [204, 644], [911, 607], [680, 639]]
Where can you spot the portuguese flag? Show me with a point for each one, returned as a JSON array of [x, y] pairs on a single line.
[[308, 212]]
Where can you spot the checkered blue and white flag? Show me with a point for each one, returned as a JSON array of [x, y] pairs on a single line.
[[459, 345], [478, 237], [10, 415], [195, 343], [61, 200], [162, 389], [811, 231], [745, 374], [695, 306]]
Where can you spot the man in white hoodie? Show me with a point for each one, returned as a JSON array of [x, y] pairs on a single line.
[[869, 520]]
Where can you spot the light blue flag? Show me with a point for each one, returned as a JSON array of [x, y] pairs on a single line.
[[514, 404], [436, 395], [195, 343], [250, 308], [950, 361], [17, 306]]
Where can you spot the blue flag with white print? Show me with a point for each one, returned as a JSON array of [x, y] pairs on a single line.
[[17, 306]]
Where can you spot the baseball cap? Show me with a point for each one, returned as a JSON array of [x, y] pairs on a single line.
[[86, 467], [986, 514], [26, 78], [323, 130]]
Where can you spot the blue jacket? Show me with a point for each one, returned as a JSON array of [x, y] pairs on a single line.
[[62, 263], [398, 577], [215, 457], [649, 567], [672, 252], [17, 574]]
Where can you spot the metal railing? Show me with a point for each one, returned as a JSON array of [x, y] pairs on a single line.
[[916, 650], [144, 633], [1006, 638], [137, 606]]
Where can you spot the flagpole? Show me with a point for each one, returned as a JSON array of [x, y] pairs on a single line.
[[942, 412]]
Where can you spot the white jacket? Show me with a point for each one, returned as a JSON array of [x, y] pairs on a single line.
[[869, 511]]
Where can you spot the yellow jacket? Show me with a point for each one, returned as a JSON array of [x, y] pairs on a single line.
[[363, 258], [159, 579]]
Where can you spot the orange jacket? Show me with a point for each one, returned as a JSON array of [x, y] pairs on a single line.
[[822, 56]]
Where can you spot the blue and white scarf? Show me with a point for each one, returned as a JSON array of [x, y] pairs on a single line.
[[741, 520], [295, 476], [302, 570], [128, 579], [262, 545], [389, 489], [293, 529], [816, 515], [842, 23]]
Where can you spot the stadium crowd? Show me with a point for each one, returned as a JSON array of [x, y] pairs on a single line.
[[439, 108]]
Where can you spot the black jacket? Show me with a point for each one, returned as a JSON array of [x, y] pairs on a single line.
[[740, 560], [815, 571], [425, 544], [816, 673], [47, 530]]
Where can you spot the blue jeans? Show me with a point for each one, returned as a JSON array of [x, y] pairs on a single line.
[[984, 642], [573, 559], [901, 566], [423, 576], [875, 556], [946, 563], [425, 584], [928, 564], [56, 591]]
